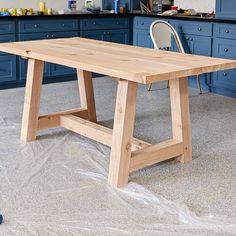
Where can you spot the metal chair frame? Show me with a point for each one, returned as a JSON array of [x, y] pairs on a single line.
[[168, 47]]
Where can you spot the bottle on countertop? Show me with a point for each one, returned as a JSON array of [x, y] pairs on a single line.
[[116, 6], [72, 5]]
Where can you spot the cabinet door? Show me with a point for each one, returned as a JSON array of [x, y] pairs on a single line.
[[117, 36], [7, 68], [93, 34], [225, 8], [142, 38], [199, 45], [224, 48], [5, 39]]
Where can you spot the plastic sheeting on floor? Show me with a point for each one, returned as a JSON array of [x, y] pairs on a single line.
[[58, 186]]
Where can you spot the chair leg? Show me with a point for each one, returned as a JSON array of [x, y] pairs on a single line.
[[149, 87], [168, 84], [199, 85]]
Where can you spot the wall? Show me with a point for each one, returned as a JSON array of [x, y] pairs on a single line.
[[198, 5], [55, 4]]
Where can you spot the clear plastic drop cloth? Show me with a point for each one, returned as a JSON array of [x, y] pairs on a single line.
[[57, 185]]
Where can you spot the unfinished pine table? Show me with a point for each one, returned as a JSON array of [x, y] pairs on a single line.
[[130, 66]]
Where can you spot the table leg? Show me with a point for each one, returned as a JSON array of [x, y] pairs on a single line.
[[181, 126], [122, 133], [32, 100], [87, 93]]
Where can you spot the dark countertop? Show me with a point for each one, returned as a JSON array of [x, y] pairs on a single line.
[[102, 14]]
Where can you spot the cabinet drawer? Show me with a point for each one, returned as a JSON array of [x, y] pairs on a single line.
[[47, 35], [224, 48], [7, 27], [143, 22], [111, 23], [7, 68], [28, 26], [194, 28], [7, 38], [225, 79], [227, 31]]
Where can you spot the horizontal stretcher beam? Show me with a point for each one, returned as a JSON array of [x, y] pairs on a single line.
[[95, 131], [53, 120], [155, 154]]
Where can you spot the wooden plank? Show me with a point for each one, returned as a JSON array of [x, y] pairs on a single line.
[[181, 126], [32, 100], [140, 54], [86, 93], [95, 131], [155, 154], [122, 133], [87, 128], [53, 120], [126, 62]]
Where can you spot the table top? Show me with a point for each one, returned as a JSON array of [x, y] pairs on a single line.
[[142, 65]]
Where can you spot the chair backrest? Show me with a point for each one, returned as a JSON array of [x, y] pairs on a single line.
[[161, 33]]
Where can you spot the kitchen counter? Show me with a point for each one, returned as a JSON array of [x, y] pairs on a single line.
[[106, 14]]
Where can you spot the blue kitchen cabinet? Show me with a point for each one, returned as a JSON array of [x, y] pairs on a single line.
[[7, 27], [7, 68], [224, 82], [104, 23], [224, 41], [116, 36], [47, 25], [141, 31], [113, 30], [142, 38], [198, 45], [93, 34], [6, 39], [49, 69], [225, 9]]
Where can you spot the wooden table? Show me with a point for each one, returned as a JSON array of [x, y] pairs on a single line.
[[129, 65]]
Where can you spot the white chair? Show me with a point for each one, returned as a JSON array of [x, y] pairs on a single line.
[[161, 34]]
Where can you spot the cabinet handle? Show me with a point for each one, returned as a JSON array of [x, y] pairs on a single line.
[[142, 23], [104, 32], [48, 36], [226, 50], [117, 23], [225, 74], [52, 36], [108, 32], [199, 29], [63, 25], [227, 31], [94, 23], [35, 26], [191, 39]]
